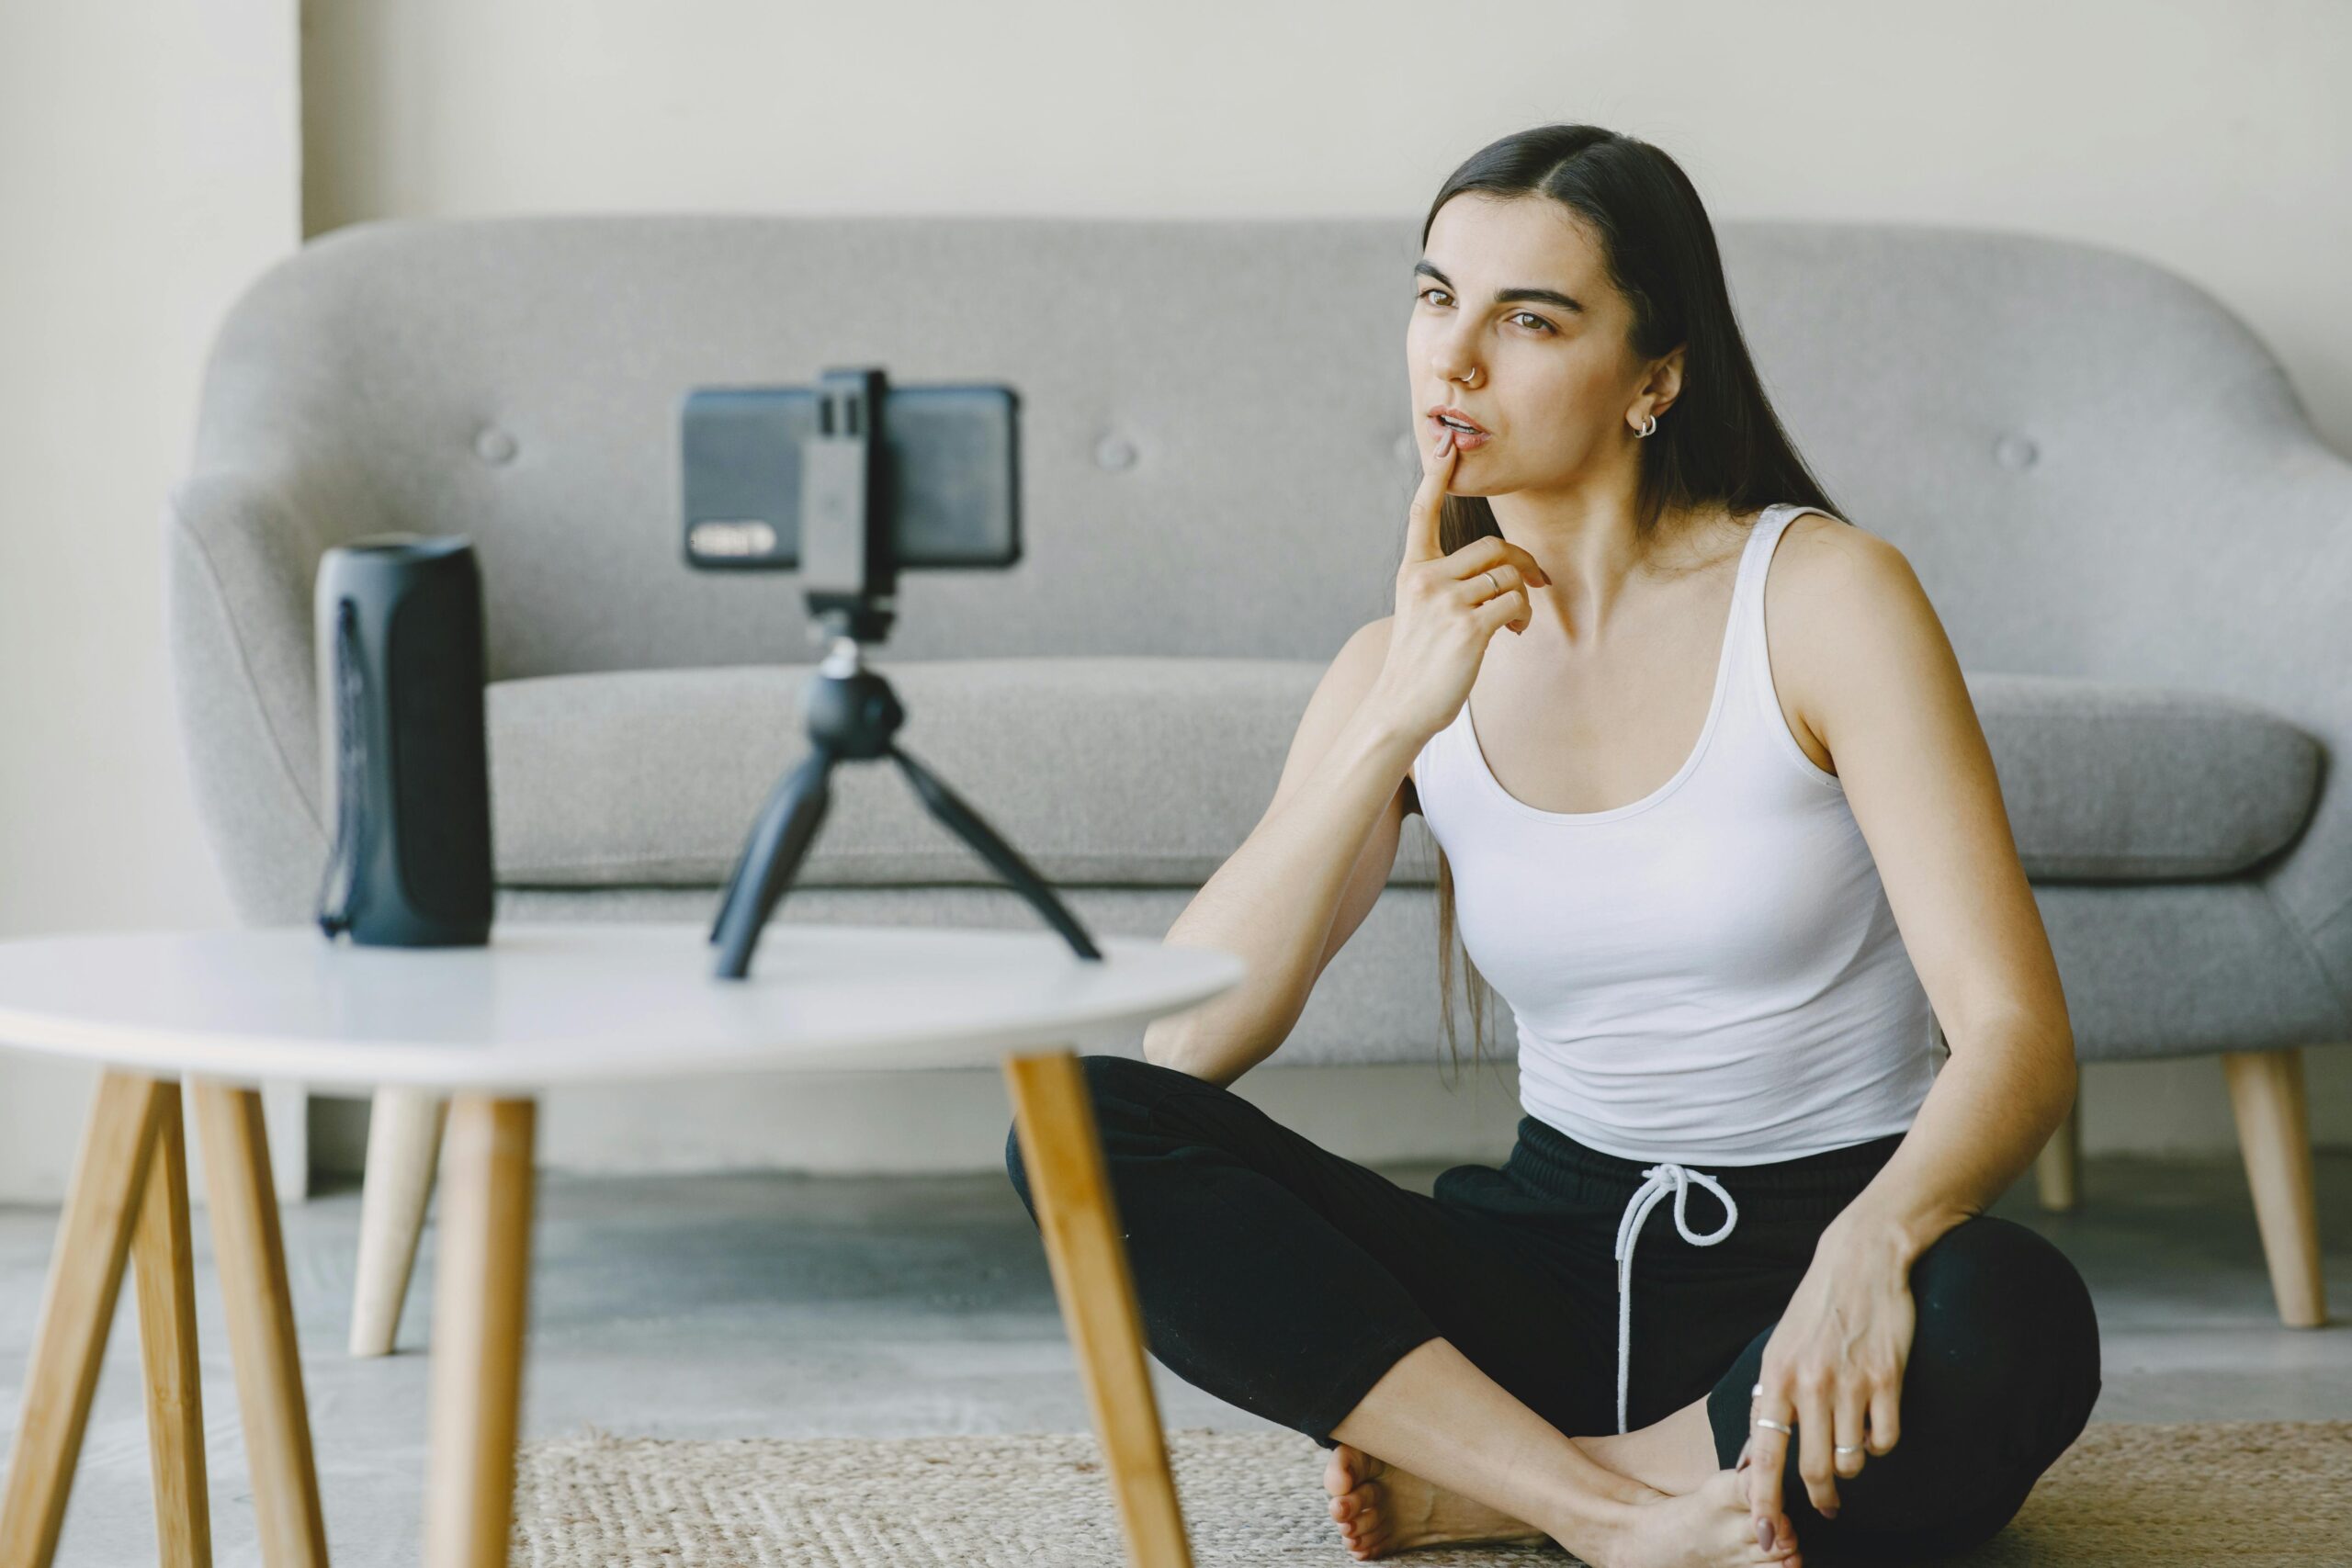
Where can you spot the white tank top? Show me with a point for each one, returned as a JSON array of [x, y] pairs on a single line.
[[1708, 975]]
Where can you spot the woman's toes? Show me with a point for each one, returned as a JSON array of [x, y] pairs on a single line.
[[1350, 1500], [1355, 1494]]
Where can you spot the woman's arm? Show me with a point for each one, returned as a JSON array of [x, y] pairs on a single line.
[[1876, 679], [1878, 683], [1319, 848]]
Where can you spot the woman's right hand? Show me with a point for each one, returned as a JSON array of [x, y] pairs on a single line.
[[1448, 606]]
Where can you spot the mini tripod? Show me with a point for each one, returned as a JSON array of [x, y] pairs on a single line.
[[849, 576]]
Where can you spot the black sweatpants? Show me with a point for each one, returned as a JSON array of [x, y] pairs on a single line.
[[1286, 1279]]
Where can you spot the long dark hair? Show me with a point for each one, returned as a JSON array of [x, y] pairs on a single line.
[[1720, 444]]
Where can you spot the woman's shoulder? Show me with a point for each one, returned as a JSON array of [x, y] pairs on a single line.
[[1828, 552], [1840, 598]]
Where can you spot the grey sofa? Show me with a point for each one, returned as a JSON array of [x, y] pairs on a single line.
[[2139, 548]]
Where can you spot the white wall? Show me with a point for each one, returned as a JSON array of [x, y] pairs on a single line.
[[2211, 135], [2214, 136], [148, 166]]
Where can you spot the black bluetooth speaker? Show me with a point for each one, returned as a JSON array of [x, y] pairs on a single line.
[[400, 638]]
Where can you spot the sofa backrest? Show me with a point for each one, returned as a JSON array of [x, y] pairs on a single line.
[[1217, 420]]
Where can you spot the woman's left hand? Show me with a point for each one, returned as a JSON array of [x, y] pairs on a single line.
[[1833, 1370]]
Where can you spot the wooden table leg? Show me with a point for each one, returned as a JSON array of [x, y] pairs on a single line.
[[481, 1262], [164, 1262], [251, 1256], [77, 1312], [1062, 1154], [404, 1145]]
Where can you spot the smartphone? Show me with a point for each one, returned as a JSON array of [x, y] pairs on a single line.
[[952, 455]]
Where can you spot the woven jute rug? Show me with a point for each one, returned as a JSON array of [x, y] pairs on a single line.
[[2249, 1493]]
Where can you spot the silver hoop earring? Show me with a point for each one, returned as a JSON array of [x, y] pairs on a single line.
[[1649, 425]]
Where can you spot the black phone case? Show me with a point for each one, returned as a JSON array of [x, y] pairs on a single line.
[[953, 460]]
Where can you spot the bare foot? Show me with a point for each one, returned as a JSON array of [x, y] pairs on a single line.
[[1709, 1528], [1381, 1509]]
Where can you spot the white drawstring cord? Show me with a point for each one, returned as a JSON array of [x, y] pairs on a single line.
[[1658, 1179]]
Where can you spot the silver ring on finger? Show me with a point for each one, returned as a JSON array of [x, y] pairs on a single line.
[[1492, 583], [1768, 1421], [1846, 1448]]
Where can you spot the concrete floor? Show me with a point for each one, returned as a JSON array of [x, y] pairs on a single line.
[[775, 1305]]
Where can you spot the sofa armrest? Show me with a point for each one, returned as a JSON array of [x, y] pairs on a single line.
[[242, 551], [2265, 604]]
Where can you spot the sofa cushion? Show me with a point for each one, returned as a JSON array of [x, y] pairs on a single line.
[[1149, 771], [2112, 783]]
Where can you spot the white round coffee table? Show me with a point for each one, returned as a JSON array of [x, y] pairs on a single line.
[[540, 1006]]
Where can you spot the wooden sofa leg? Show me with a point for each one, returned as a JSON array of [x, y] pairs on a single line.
[[2274, 1137], [2058, 1169], [404, 1147]]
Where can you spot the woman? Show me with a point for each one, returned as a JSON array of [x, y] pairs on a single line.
[[1833, 1351]]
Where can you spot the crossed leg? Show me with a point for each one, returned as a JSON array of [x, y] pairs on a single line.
[[1293, 1283], [1453, 1447]]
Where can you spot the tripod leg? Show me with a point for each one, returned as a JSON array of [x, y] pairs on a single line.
[[945, 805], [734, 881], [788, 825], [766, 826], [765, 830]]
